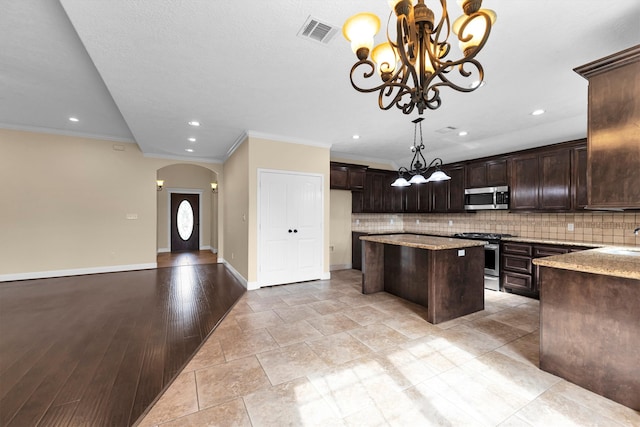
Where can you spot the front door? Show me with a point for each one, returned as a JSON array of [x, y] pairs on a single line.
[[185, 222]]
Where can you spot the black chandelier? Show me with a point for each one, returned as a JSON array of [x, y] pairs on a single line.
[[418, 165], [414, 66]]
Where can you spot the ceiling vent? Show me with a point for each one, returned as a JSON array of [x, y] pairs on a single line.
[[317, 31]]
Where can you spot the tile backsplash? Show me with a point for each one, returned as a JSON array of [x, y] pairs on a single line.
[[592, 227]]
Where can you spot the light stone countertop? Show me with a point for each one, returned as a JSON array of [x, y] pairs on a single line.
[[423, 242], [610, 261]]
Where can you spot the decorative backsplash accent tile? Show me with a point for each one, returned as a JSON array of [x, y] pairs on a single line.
[[592, 227]]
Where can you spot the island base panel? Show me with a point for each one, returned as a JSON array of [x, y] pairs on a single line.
[[448, 284], [457, 283], [590, 332], [372, 267]]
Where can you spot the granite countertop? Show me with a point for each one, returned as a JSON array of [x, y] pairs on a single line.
[[609, 261], [423, 242], [553, 242]]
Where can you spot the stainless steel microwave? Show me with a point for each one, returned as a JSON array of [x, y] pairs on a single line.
[[486, 198]]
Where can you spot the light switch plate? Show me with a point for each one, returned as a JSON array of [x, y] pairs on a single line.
[[461, 252]]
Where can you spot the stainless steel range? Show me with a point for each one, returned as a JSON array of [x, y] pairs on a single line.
[[491, 256]]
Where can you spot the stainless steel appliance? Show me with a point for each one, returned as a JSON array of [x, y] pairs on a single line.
[[486, 198], [491, 256]]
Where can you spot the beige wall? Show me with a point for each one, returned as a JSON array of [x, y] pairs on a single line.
[[189, 178], [64, 203], [236, 209], [268, 154], [340, 224]]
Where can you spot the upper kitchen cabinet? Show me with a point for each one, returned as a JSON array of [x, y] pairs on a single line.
[[579, 198], [549, 179], [448, 196], [487, 173], [345, 176], [613, 136], [378, 195], [525, 182]]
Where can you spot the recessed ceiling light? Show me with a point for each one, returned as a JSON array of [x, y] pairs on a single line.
[[537, 112], [73, 119], [192, 140], [194, 123], [463, 133], [189, 150], [356, 136]]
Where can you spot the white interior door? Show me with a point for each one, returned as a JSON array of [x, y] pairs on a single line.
[[289, 228]]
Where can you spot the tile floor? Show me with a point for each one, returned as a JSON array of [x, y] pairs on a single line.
[[321, 353]]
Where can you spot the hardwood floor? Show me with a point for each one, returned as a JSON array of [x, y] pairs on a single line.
[[175, 259], [98, 349]]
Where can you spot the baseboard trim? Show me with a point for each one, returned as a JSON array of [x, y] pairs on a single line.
[[233, 271], [335, 267], [163, 250], [325, 275], [76, 272]]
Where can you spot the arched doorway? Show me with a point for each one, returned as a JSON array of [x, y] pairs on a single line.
[[193, 183]]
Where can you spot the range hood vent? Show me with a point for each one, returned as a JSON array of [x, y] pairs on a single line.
[[317, 31]]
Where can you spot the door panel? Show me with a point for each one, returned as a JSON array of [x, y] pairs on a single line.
[[192, 243], [290, 228]]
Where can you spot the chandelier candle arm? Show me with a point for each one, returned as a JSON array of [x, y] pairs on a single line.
[[413, 64]]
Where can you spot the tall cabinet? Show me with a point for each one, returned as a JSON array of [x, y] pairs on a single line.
[[613, 133]]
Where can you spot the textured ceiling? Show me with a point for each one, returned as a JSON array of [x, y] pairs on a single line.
[[140, 70]]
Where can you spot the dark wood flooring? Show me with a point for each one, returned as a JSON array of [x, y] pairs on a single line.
[[175, 259], [97, 350]]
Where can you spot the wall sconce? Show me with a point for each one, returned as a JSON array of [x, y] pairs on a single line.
[[160, 184], [214, 187]]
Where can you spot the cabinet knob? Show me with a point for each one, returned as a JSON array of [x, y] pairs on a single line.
[[289, 230], [295, 230]]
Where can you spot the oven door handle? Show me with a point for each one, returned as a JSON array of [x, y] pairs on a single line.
[[492, 246]]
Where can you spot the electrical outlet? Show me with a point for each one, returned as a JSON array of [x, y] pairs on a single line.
[[391, 221], [331, 248], [450, 223], [461, 252], [357, 222], [417, 221], [570, 226], [132, 216]]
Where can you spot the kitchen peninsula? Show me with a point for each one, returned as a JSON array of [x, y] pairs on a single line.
[[444, 275], [589, 320]]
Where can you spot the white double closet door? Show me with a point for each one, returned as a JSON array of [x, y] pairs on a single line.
[[290, 227]]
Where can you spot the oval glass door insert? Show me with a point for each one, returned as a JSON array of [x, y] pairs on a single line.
[[184, 220]]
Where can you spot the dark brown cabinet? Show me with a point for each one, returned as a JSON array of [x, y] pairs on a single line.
[[579, 177], [418, 198], [356, 250], [346, 176], [517, 271], [525, 182], [548, 179], [487, 173], [614, 139], [438, 197], [379, 196], [555, 180], [448, 196], [551, 179]]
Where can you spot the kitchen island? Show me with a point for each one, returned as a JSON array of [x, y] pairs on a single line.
[[444, 275], [590, 320]]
